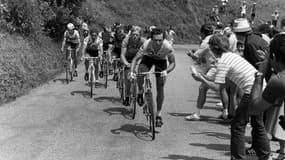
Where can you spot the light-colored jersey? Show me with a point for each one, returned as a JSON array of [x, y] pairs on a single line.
[[243, 9], [237, 69], [275, 16], [165, 51], [72, 38]]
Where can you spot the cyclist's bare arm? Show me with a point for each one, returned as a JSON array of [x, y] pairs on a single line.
[[63, 44], [123, 56], [135, 60], [172, 63], [84, 49]]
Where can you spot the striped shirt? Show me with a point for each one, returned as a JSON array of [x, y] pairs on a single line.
[[237, 69]]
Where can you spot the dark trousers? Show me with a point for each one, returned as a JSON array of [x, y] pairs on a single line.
[[260, 140]]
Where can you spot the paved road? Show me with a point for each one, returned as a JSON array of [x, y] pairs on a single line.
[[61, 122]]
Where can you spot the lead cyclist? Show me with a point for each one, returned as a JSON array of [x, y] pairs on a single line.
[[71, 39], [155, 51]]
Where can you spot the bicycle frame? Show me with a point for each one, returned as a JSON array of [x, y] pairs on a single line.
[[149, 102], [104, 67], [91, 71], [69, 64]]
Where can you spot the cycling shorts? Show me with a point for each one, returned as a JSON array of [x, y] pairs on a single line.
[[92, 53], [72, 45], [147, 62], [116, 52]]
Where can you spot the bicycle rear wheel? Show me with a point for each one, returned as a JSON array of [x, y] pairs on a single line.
[[91, 83], [150, 105], [106, 74], [133, 98], [66, 73]]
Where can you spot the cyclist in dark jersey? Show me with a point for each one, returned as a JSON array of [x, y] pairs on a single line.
[[117, 46], [130, 46], [93, 46]]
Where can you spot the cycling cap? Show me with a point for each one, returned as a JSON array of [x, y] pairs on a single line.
[[241, 25], [85, 26], [151, 28], [70, 26], [227, 30]]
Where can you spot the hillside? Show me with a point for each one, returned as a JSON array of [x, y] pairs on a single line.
[[28, 62]]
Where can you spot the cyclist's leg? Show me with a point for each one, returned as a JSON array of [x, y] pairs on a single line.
[[144, 66], [160, 65], [86, 63], [96, 67]]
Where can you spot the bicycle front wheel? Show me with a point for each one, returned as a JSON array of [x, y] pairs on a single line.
[[91, 83], [150, 105], [106, 74], [133, 98]]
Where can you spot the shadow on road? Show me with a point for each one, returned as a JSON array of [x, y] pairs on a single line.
[[214, 134], [182, 157], [85, 94], [179, 114], [141, 131], [98, 85], [62, 80], [118, 111], [110, 99], [217, 147]]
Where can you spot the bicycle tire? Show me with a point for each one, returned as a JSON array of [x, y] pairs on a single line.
[[66, 74], [106, 74], [91, 84], [150, 105], [133, 99]]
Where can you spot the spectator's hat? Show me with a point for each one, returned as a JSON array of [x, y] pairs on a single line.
[[241, 25]]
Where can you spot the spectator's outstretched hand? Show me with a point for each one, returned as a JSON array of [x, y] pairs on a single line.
[[282, 121]]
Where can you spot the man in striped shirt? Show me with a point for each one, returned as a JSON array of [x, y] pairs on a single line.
[[242, 74]]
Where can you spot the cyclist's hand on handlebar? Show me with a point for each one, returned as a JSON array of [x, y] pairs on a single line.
[[128, 65], [163, 74]]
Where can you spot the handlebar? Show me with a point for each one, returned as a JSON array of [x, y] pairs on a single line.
[[148, 73], [91, 58]]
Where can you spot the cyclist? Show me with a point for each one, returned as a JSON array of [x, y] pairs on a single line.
[[130, 46], [116, 49], [275, 17], [253, 10], [155, 51], [108, 40], [84, 30], [243, 8], [72, 39], [170, 35], [93, 46]]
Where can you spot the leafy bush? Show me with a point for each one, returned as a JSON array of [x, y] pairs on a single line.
[[19, 16]]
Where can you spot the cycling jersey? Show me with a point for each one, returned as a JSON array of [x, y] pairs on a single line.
[[162, 54], [72, 40], [132, 46], [93, 47]]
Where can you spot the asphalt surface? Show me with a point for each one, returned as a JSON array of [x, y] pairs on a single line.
[[57, 121]]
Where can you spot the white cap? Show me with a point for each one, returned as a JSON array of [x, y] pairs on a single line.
[[227, 30], [70, 26], [151, 28], [241, 25], [84, 26]]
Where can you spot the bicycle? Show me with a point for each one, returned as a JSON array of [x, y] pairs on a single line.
[[133, 97], [121, 83], [116, 65], [105, 67], [69, 65], [91, 71], [148, 108]]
